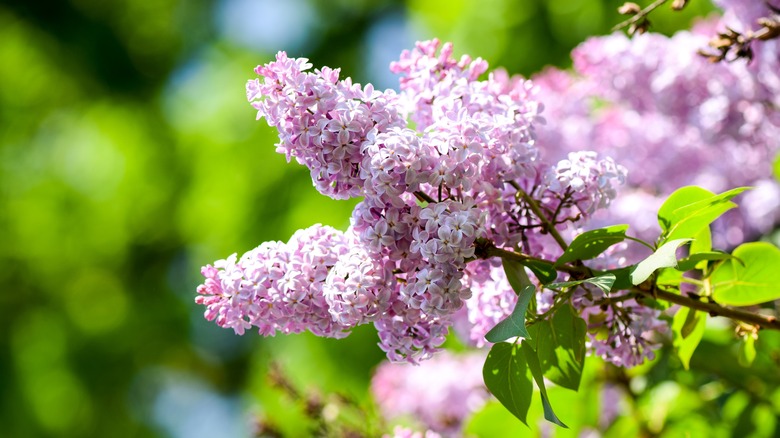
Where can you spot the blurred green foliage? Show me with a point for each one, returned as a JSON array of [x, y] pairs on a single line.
[[129, 158]]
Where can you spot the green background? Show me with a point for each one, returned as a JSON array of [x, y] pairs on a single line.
[[129, 158]]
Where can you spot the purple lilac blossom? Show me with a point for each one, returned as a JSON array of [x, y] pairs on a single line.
[[276, 287], [440, 394], [429, 193]]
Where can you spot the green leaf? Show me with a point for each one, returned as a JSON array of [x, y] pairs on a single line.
[[515, 274], [560, 345], [622, 277], [536, 372], [688, 328], [508, 378], [690, 209], [702, 243], [592, 243], [678, 199], [747, 351], [692, 261], [753, 281], [544, 271], [513, 326], [663, 257], [517, 277], [603, 282], [669, 277], [776, 167]]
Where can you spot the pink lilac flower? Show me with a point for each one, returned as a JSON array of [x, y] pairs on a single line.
[[439, 394], [276, 286], [323, 122], [462, 173]]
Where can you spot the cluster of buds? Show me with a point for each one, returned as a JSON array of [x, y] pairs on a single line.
[[732, 45]]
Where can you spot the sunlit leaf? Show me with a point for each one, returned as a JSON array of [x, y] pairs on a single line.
[[508, 378], [702, 243], [753, 281], [513, 326], [747, 351], [560, 345], [776, 167], [592, 243], [536, 372], [688, 210], [692, 261], [663, 257], [688, 328]]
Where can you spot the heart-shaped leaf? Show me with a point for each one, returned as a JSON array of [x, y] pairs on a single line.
[[751, 281]]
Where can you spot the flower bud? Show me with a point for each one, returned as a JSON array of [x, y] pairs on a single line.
[[678, 5], [629, 8]]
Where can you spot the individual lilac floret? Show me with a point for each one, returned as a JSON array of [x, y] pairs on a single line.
[[276, 286], [322, 122], [441, 393]]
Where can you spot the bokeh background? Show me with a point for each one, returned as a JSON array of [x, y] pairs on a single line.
[[129, 158]]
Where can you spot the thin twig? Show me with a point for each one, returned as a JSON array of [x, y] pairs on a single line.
[[424, 197], [641, 15], [487, 250], [540, 214]]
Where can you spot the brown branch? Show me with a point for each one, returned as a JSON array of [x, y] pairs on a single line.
[[486, 249], [424, 197], [763, 321]]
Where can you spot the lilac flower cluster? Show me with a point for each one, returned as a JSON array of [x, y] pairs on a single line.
[[626, 333], [440, 394], [276, 287], [323, 122], [464, 172]]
